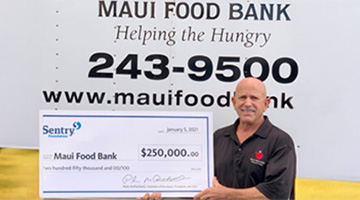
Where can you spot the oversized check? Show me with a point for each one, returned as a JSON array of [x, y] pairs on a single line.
[[124, 154]]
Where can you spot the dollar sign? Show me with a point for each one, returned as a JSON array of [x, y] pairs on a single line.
[[143, 154]]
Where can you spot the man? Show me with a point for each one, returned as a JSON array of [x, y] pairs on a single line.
[[253, 158]]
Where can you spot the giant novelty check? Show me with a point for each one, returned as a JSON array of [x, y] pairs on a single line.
[[124, 154]]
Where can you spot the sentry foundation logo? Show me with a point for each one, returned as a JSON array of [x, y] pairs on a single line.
[[61, 132]]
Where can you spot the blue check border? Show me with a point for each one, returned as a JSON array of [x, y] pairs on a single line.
[[132, 116]]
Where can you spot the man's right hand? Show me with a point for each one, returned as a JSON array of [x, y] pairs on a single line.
[[153, 196]]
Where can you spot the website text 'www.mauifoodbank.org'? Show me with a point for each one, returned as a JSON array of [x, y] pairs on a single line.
[[168, 98]]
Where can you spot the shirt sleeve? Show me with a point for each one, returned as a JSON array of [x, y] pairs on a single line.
[[280, 173]]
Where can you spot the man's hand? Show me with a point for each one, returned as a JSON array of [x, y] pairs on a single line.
[[218, 191], [153, 196]]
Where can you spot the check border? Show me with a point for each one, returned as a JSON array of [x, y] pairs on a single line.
[[131, 116]]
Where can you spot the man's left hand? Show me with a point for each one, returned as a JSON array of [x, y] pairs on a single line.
[[218, 191]]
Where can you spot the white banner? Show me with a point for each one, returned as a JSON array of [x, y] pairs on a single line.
[[188, 56]]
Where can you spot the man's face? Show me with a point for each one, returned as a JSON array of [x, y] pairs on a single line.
[[250, 101]]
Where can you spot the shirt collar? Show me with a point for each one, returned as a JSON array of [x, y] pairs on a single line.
[[263, 131]]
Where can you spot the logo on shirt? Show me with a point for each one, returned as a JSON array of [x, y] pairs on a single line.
[[258, 155], [257, 160]]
